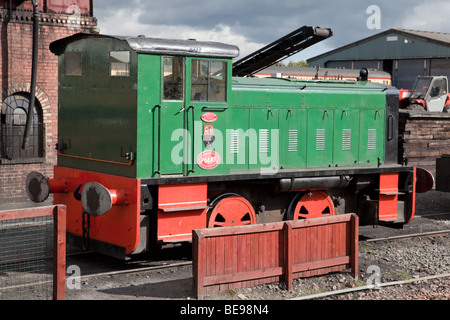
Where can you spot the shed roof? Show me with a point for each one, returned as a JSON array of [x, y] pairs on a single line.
[[142, 44], [435, 38], [439, 37]]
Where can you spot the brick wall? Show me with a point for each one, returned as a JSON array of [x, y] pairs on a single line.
[[15, 69], [424, 136]]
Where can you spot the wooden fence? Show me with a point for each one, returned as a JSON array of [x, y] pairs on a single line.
[[247, 256], [23, 249]]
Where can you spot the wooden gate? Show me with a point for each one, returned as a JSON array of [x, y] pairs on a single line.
[[246, 256]]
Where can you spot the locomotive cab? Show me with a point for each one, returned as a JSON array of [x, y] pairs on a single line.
[[140, 92], [129, 109]]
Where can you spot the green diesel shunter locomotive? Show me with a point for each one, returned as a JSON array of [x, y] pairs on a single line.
[[157, 138]]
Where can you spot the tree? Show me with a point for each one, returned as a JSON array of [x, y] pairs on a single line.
[[298, 64]]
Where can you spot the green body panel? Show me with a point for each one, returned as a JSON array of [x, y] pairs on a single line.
[[319, 141], [346, 136], [293, 126], [320, 123], [238, 147], [265, 125], [149, 93], [338, 122], [371, 137], [265, 135]]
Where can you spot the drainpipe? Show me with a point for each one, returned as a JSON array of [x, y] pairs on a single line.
[[33, 73]]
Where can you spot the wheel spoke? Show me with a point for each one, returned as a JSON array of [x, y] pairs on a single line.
[[219, 224]]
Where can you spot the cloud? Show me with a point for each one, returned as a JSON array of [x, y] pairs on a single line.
[[427, 16], [131, 25], [251, 24]]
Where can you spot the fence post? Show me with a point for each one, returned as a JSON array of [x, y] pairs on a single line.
[[59, 253], [198, 256], [354, 245], [288, 255]]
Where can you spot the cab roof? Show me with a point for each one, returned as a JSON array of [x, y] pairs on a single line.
[[145, 45]]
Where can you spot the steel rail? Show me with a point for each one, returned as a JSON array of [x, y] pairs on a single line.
[[431, 215], [412, 235], [369, 287], [101, 274], [144, 269]]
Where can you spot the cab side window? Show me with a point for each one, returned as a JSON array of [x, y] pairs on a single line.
[[438, 88], [208, 81], [119, 63], [173, 78], [72, 64]]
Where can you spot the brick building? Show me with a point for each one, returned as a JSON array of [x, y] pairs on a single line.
[[57, 19]]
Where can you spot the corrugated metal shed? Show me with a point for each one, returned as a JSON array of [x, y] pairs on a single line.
[[403, 53]]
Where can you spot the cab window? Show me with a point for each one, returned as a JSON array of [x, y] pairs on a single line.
[[72, 64], [173, 78], [208, 80], [438, 88], [119, 62]]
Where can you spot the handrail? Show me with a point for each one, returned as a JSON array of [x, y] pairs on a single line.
[[193, 139], [130, 163], [215, 107], [159, 139]]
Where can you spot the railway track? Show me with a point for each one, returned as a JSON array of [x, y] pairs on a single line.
[[323, 295], [154, 267], [412, 235], [136, 270], [370, 287], [415, 280], [128, 270]]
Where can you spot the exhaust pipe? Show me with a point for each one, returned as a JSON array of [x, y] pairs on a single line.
[[26, 135], [296, 184]]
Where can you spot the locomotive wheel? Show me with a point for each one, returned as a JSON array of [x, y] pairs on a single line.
[[312, 204], [231, 210]]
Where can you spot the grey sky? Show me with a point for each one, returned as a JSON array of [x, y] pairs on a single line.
[[251, 24]]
